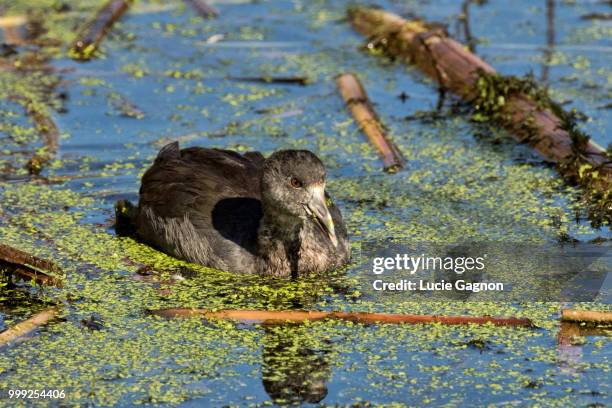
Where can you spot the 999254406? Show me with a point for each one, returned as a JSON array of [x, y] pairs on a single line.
[[34, 394]]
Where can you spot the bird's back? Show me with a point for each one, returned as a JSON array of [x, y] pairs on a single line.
[[203, 205]]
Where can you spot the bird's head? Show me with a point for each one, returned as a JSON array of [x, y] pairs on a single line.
[[293, 189]]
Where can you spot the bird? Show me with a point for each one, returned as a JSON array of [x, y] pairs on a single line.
[[240, 213]]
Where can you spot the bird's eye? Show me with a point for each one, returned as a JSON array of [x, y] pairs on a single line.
[[296, 183]]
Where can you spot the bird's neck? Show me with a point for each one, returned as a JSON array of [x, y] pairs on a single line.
[[278, 244]]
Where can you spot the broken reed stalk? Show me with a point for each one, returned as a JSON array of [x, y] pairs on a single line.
[[356, 99], [29, 267], [92, 34], [39, 114], [586, 316], [303, 81], [28, 326], [299, 316], [543, 126], [570, 330], [13, 35], [203, 8], [12, 21], [46, 127], [22, 30]]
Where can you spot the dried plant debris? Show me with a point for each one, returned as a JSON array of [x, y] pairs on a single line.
[[29, 267], [584, 165], [356, 99], [519, 104], [27, 326], [91, 35], [203, 8]]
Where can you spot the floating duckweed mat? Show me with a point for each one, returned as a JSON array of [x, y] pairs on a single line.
[[164, 74]]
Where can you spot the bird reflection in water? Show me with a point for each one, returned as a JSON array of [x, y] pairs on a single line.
[[295, 366]]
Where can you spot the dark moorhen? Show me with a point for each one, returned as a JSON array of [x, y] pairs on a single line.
[[240, 213]]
